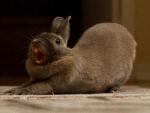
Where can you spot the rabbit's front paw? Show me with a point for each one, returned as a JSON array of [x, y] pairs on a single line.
[[9, 92], [21, 91]]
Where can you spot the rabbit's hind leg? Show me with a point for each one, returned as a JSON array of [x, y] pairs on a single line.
[[113, 89]]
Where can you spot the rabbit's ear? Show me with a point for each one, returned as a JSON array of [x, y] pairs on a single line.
[[64, 30], [56, 24]]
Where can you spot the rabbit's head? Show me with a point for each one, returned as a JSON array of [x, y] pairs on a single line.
[[51, 46]]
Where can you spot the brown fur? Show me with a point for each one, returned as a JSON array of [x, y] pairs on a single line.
[[102, 59]]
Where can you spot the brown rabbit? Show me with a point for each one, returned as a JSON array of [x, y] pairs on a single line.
[[101, 60]]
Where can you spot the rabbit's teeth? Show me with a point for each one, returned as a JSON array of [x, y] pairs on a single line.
[[35, 50], [39, 57]]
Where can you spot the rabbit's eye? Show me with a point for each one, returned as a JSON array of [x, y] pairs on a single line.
[[57, 41]]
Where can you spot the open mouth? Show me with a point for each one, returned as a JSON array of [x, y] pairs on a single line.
[[39, 55]]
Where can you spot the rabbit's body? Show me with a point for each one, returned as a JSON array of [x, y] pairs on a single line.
[[105, 54], [101, 59], [99, 62]]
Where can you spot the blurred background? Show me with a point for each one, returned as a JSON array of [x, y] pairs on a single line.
[[21, 20]]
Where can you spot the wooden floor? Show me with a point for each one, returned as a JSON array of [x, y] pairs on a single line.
[[132, 99]]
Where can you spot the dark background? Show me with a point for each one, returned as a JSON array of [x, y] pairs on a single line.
[[21, 20]]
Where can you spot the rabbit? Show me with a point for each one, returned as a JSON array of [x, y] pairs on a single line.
[[101, 61]]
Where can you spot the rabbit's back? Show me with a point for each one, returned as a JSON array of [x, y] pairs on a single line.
[[105, 53], [106, 33]]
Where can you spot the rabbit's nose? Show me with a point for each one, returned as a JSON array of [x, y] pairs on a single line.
[[36, 41]]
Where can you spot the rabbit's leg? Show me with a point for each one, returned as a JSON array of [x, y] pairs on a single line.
[[45, 71], [115, 88], [40, 88], [32, 81]]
